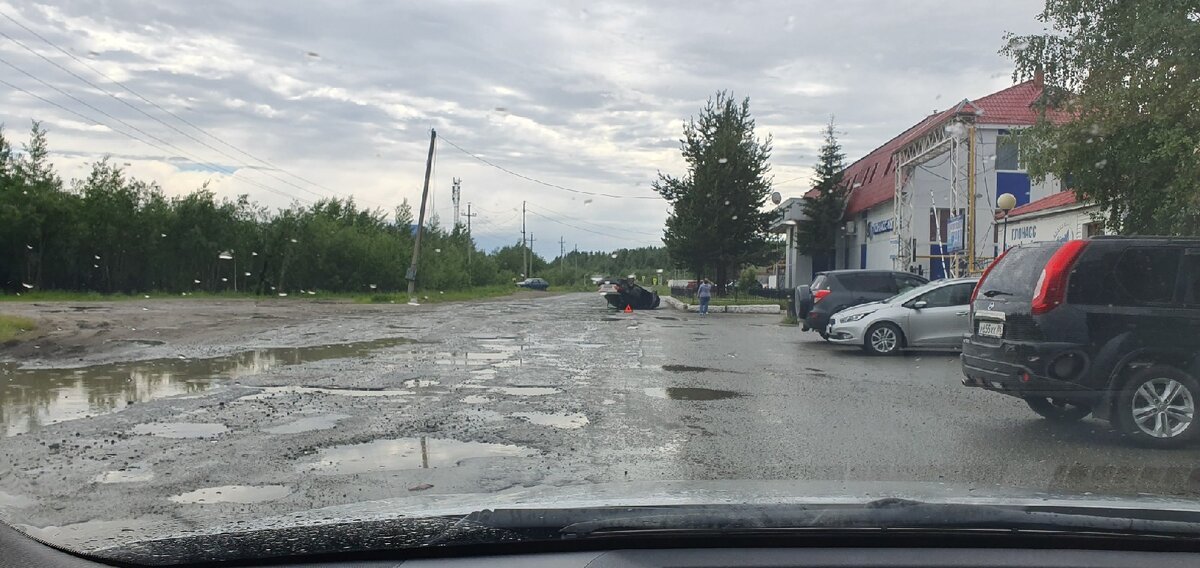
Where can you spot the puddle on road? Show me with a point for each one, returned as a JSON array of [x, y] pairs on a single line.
[[406, 453], [32, 398], [526, 391], [476, 399], [271, 392], [10, 501], [685, 369], [308, 424], [127, 475], [419, 383], [181, 429], [564, 421], [233, 494], [691, 393]]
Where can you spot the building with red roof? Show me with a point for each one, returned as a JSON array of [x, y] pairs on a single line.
[[905, 193]]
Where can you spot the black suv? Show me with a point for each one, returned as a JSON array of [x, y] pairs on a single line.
[[837, 290], [1107, 326]]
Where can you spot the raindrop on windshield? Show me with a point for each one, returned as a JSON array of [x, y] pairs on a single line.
[[224, 280], [253, 254], [723, 161], [30, 247], [95, 266], [437, 250], [726, 202], [164, 235], [735, 217], [225, 256], [587, 201], [27, 286], [246, 274], [195, 281], [283, 294], [1100, 165], [372, 286], [97, 257], [614, 255], [294, 240]]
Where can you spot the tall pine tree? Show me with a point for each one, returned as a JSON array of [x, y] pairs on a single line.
[[718, 223], [816, 236]]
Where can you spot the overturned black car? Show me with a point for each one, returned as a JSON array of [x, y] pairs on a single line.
[[624, 293]]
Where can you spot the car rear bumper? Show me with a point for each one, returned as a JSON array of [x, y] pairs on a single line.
[[1018, 368], [816, 321]]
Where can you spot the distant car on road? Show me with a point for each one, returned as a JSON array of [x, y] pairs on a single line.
[[930, 316], [835, 290], [622, 293], [1107, 326], [534, 284]]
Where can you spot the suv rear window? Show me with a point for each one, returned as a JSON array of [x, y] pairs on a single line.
[[1017, 273], [868, 282], [1125, 277], [820, 283]]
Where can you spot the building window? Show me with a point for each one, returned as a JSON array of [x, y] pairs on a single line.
[[1008, 155], [1093, 229]]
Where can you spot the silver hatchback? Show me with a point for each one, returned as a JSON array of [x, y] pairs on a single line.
[[931, 316]]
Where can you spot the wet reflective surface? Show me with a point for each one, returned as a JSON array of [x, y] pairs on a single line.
[[406, 453], [307, 424], [30, 398], [526, 391], [181, 429], [233, 494], [686, 393], [565, 421]]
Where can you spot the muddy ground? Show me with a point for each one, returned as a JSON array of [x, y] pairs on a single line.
[[142, 419]]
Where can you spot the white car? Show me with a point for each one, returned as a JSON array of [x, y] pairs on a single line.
[[931, 316]]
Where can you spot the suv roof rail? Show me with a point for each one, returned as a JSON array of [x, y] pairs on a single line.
[[1168, 238]]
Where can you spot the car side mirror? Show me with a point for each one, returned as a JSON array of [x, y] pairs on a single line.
[[919, 304]]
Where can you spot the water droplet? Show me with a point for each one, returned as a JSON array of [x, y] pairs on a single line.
[[283, 294], [164, 235], [27, 286], [372, 286], [437, 250], [735, 217], [587, 201], [441, 292], [146, 296], [30, 247], [97, 257], [614, 255], [726, 202], [195, 281], [253, 254], [723, 161], [226, 255], [1100, 165], [312, 293], [246, 273], [294, 240], [224, 280]]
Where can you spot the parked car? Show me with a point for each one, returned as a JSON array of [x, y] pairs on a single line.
[[534, 283], [622, 293], [1108, 326], [930, 316], [836, 290]]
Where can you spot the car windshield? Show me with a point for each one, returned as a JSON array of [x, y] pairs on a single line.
[[266, 271]]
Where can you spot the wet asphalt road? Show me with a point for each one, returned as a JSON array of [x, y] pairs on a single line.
[[481, 398]]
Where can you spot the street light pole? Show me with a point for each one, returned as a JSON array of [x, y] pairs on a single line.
[[1005, 202]]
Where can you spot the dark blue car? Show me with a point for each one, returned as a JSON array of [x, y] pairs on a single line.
[[534, 284]]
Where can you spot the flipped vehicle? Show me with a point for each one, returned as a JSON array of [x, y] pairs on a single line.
[[622, 293], [1107, 326], [534, 284], [930, 316], [835, 290]]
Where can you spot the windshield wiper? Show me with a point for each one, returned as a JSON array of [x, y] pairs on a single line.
[[883, 515], [994, 293]]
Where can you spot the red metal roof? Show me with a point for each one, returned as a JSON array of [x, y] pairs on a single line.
[[1060, 199], [875, 171]]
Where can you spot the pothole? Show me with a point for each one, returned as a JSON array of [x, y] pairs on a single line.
[[691, 393], [233, 494], [526, 391], [181, 429], [406, 453], [563, 421], [307, 424]]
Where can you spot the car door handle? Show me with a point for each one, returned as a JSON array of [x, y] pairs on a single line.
[[962, 313]]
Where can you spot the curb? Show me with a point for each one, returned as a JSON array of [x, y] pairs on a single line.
[[748, 309]]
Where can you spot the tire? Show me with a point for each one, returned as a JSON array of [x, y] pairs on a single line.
[[1160, 423], [883, 338], [1058, 410]]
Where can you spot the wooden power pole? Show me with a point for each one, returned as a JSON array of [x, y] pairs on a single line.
[[411, 275]]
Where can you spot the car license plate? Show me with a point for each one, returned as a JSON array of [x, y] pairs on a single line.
[[991, 329]]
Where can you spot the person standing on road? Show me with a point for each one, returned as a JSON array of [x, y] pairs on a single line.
[[705, 293]]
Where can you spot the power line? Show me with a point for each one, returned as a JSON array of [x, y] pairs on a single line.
[[540, 182], [135, 137], [553, 220], [126, 103], [577, 220], [157, 106]]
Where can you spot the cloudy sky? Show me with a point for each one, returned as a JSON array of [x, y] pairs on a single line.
[[300, 100]]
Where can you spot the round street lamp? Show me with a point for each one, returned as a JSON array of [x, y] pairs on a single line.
[[1006, 202]]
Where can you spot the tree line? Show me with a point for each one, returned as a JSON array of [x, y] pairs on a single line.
[[113, 233]]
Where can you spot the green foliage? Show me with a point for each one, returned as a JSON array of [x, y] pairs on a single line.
[[113, 234], [817, 235], [1120, 123], [718, 222], [15, 327], [748, 279]]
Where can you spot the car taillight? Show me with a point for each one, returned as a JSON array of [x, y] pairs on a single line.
[[819, 294], [989, 268], [1051, 286]]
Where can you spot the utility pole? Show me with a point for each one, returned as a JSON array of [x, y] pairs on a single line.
[[470, 245], [411, 275], [562, 252], [524, 249], [532, 256], [455, 197]]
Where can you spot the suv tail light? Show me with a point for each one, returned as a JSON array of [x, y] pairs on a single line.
[[818, 295], [1051, 286], [983, 277]]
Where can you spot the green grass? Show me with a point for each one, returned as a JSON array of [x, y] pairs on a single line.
[[69, 296], [13, 327]]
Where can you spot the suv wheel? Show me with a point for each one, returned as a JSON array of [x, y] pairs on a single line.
[[1059, 410], [883, 339], [1158, 406]]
